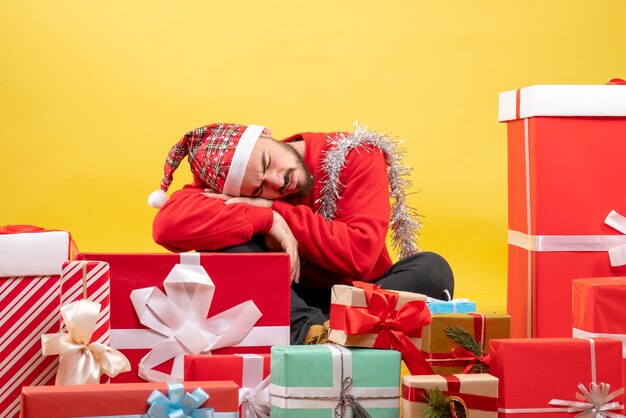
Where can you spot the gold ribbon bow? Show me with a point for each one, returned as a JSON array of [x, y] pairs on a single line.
[[82, 362], [593, 403]]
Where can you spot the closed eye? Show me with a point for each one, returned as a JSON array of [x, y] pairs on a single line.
[[264, 164]]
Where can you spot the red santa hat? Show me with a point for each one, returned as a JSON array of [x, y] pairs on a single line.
[[218, 155]]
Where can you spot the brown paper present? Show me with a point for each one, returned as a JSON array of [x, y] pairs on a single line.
[[447, 356], [349, 296], [476, 394], [364, 315]]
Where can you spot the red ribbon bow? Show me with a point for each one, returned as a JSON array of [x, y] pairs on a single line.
[[23, 229], [464, 354], [18, 229], [395, 327]]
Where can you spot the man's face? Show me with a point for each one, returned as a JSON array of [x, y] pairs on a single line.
[[275, 170]]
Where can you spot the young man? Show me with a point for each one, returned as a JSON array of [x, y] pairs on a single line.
[[322, 198]]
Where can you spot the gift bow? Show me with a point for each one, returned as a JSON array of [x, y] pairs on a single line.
[[617, 255], [18, 229], [180, 316], [178, 404], [394, 327], [593, 403], [255, 403], [463, 354], [346, 400], [82, 362]]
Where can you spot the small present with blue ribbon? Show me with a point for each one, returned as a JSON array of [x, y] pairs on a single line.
[[133, 400], [460, 306], [178, 404]]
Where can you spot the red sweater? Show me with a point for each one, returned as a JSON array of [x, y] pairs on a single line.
[[351, 247]]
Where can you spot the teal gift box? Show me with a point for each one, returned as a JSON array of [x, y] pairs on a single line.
[[328, 381], [451, 306]]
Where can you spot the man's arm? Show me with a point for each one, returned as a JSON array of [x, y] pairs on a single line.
[[352, 243], [190, 220]]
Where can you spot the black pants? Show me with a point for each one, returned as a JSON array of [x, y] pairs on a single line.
[[426, 273]]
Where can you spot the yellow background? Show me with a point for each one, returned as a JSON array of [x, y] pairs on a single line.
[[93, 95]]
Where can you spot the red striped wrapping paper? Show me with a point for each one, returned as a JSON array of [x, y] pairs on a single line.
[[30, 307]]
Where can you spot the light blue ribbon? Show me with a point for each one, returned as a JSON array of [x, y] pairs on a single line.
[[437, 306], [177, 404]]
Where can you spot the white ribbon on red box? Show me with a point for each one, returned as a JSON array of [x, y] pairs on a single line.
[[179, 318], [254, 395], [579, 333], [614, 244], [595, 402]]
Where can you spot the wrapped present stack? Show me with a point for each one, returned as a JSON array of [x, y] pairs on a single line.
[[39, 288], [207, 334], [133, 319], [565, 183], [565, 224]]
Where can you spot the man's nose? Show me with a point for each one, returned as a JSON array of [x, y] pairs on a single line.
[[274, 179]]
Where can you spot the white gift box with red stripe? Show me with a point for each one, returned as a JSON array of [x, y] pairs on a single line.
[[30, 306]]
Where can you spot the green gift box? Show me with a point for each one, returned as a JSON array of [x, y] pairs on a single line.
[[328, 381]]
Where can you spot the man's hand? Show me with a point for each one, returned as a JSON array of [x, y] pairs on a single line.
[[230, 200], [280, 238]]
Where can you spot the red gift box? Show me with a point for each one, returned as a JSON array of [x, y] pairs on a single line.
[[261, 278], [127, 399], [565, 171], [599, 309], [30, 265], [534, 372], [249, 371]]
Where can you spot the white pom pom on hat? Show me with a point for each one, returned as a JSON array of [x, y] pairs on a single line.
[[157, 199]]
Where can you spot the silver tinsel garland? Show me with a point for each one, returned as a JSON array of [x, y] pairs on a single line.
[[403, 223]]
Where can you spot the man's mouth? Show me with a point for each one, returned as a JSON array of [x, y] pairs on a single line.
[[290, 183]]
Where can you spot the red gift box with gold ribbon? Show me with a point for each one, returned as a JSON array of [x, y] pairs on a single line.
[[363, 315]]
